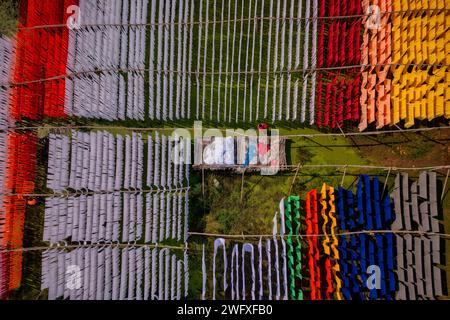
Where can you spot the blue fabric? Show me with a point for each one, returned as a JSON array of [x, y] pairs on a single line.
[[351, 212], [368, 206], [356, 285], [373, 292], [391, 265], [250, 154], [344, 266], [388, 218], [359, 199], [365, 210], [381, 263], [340, 208], [376, 196]]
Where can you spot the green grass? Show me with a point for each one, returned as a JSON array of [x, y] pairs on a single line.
[[9, 12]]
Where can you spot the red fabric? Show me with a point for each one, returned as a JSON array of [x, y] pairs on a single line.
[[20, 177], [355, 99], [329, 289], [320, 46], [319, 111], [343, 50], [313, 253], [333, 104], [326, 111], [350, 44], [340, 103], [357, 42], [348, 100], [41, 53], [338, 46]]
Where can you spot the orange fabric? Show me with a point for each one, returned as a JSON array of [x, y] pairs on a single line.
[[19, 179]]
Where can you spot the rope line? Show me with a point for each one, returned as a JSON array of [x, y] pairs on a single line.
[[344, 166], [311, 18], [93, 245], [306, 71], [88, 193], [309, 135], [320, 235]]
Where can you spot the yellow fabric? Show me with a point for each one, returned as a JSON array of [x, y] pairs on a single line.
[[420, 91], [330, 246]]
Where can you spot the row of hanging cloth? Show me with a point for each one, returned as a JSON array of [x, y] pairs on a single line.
[[343, 244]]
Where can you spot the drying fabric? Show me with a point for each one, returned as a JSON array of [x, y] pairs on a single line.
[[204, 273], [247, 247], [235, 272], [217, 243]]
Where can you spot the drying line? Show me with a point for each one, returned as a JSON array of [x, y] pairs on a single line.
[[367, 133], [301, 236], [204, 73], [88, 193], [88, 127], [236, 133], [342, 166], [94, 245], [64, 25]]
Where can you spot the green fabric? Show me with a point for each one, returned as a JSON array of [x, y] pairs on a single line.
[[292, 208], [290, 251]]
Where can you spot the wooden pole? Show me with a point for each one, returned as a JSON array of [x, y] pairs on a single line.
[[242, 184], [295, 177]]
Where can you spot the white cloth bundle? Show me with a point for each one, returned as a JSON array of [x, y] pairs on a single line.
[[99, 292], [131, 274], [247, 247], [164, 159], [269, 267], [132, 217], [157, 151], [235, 272], [154, 274], [108, 274], [260, 269], [179, 278], [126, 218], [149, 161], [162, 213], [147, 272], [119, 163], [7, 53], [175, 217], [117, 206], [116, 280], [168, 216], [179, 215], [171, 56], [128, 162], [217, 243], [139, 272], [148, 217], [204, 276], [173, 277], [124, 275], [161, 269], [151, 64], [105, 160], [139, 216], [277, 263], [170, 162]]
